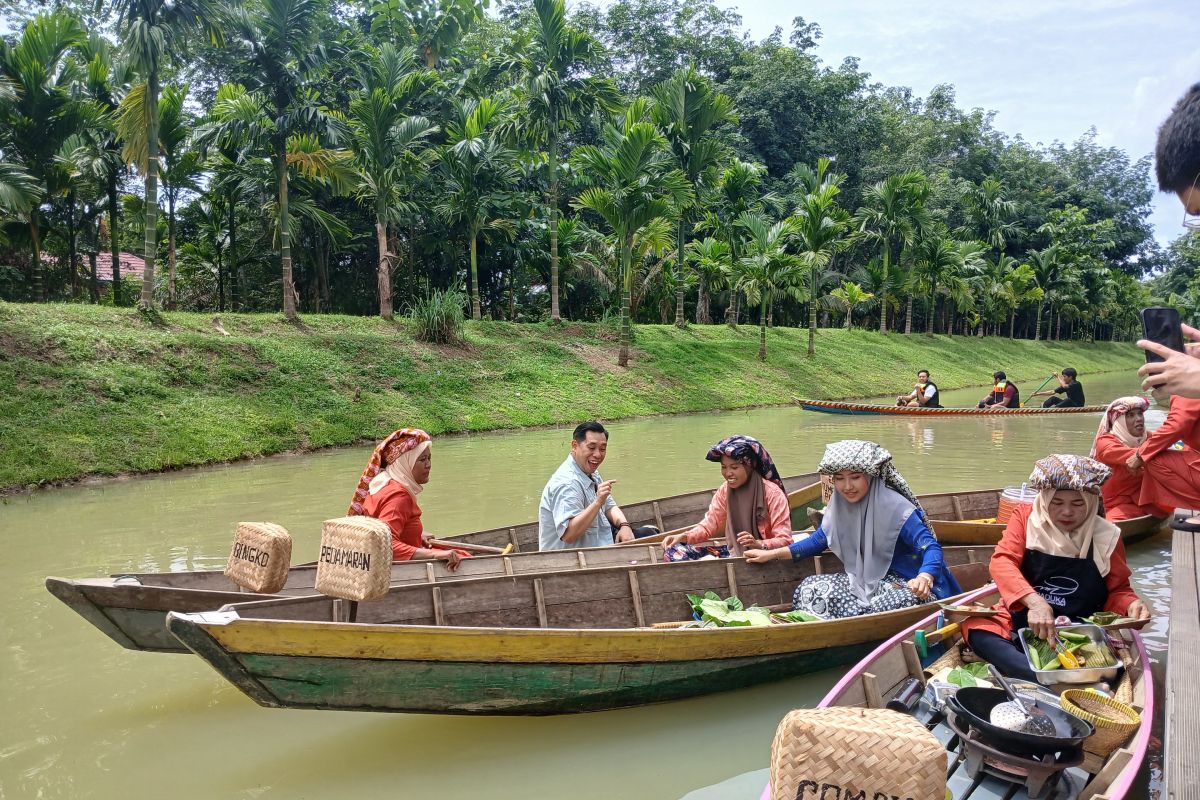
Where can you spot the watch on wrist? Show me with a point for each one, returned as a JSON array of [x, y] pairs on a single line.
[[624, 525]]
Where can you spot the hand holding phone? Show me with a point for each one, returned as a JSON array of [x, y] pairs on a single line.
[[1162, 326]]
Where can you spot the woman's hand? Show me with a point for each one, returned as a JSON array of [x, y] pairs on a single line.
[[427, 539], [451, 557], [758, 556], [1134, 463], [1137, 610], [1041, 616], [921, 585], [674, 539], [745, 539]]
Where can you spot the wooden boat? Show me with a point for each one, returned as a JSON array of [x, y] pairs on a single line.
[[547, 643], [963, 518], [875, 679], [131, 608], [840, 407]]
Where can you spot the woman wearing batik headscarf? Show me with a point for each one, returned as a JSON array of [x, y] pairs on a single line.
[[875, 525], [1148, 476], [1057, 558], [395, 474], [750, 507]]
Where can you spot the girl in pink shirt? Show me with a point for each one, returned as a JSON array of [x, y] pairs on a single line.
[[750, 508]]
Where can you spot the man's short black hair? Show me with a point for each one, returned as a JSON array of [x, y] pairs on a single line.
[[999, 376], [1070, 372], [584, 428], [925, 371], [1177, 154]]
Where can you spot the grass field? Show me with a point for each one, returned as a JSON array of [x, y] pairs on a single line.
[[90, 390]]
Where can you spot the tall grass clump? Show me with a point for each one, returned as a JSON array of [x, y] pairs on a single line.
[[439, 317]]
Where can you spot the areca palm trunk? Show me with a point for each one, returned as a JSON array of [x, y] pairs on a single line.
[[932, 309], [626, 293], [383, 273], [908, 317], [476, 309], [887, 257], [812, 316], [285, 233], [702, 300], [680, 322], [1037, 331], [552, 197], [35, 236], [114, 244], [171, 250], [72, 248], [849, 315], [762, 326], [1012, 324], [146, 303], [731, 313]]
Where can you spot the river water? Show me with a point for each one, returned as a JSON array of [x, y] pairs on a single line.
[[84, 718]]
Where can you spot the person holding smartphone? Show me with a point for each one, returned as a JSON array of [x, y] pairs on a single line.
[[1177, 166]]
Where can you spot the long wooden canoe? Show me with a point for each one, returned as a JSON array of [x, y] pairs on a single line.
[[839, 407], [874, 680], [548, 643]]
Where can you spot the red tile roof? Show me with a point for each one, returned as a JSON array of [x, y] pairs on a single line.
[[132, 267]]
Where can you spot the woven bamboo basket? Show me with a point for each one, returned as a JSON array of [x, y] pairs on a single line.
[[1115, 721], [260, 557], [871, 750], [356, 558]]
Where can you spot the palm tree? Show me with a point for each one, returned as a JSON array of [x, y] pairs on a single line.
[[709, 259], [1020, 285], [433, 27], [850, 295], [1046, 269], [688, 110], [150, 28], [820, 223], [19, 192], [634, 183], [990, 213], [277, 40], [939, 266], [560, 90], [388, 146], [887, 219], [600, 259], [479, 170], [37, 115], [767, 269]]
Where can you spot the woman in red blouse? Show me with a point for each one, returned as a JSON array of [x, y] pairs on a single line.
[[395, 474], [1148, 477], [1057, 558]]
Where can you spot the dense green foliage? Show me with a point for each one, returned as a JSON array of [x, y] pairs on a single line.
[[314, 157], [95, 390]]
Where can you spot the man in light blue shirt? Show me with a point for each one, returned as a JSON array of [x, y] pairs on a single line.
[[577, 504]]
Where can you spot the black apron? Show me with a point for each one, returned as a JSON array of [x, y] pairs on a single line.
[[1073, 587]]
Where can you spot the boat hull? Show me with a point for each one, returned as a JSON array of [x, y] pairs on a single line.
[[871, 409]]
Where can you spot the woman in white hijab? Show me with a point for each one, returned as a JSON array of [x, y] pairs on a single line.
[[1147, 478], [395, 474], [875, 525], [1057, 559]]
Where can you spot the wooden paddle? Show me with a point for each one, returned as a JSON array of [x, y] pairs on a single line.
[[1043, 386], [472, 548], [801, 497]]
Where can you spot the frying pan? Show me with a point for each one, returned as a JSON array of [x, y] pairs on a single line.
[[974, 705]]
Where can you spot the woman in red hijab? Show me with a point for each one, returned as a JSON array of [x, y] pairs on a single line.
[[395, 474]]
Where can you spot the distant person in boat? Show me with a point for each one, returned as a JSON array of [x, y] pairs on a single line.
[[1069, 386], [876, 526], [1057, 558], [395, 474], [1004, 394], [749, 508], [577, 508], [1149, 475], [924, 393], [1177, 165]]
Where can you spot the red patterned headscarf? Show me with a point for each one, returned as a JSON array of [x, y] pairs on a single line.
[[391, 448]]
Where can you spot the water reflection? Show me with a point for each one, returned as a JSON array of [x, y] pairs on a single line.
[[86, 719]]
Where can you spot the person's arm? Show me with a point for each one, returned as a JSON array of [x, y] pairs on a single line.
[[617, 518], [573, 515], [778, 531], [926, 396], [1007, 558], [814, 545], [1120, 594], [714, 521], [918, 537], [1174, 427], [1178, 373], [1112, 451], [397, 512]]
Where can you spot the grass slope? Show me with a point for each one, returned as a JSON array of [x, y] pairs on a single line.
[[91, 390]]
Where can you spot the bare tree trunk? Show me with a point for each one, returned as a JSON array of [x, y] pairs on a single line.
[[703, 317], [476, 308], [146, 303], [383, 271], [626, 291], [731, 313], [72, 250], [680, 321], [172, 300], [762, 328], [555, 312], [93, 279], [285, 232], [908, 317]]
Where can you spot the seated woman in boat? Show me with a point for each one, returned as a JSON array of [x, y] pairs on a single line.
[[1058, 558], [1148, 476], [395, 474], [750, 507], [875, 525]]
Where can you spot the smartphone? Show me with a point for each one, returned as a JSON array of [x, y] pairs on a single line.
[[1162, 325]]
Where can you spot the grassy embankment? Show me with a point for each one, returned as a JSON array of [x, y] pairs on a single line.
[[91, 390]]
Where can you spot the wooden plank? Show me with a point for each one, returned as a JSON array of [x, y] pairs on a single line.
[[582, 558], [658, 517], [1181, 766], [1104, 778], [870, 687], [731, 578], [958, 512], [508, 567], [636, 593], [913, 660], [540, 599], [430, 573], [439, 617]]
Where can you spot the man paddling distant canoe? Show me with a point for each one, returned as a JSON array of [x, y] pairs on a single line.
[[1068, 386], [923, 395], [1003, 395]]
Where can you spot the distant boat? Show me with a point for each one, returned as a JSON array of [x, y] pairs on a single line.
[[548, 643], [839, 407]]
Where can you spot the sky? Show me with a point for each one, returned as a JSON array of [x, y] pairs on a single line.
[[1050, 69]]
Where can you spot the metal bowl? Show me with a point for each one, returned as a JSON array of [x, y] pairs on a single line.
[[1049, 677]]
